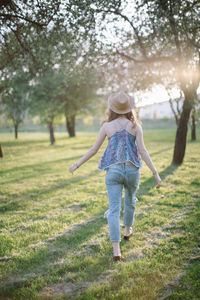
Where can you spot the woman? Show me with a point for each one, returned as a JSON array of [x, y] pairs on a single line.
[[122, 163]]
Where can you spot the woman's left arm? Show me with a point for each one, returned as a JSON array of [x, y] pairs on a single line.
[[145, 155], [93, 150]]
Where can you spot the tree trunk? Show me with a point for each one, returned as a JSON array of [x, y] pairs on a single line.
[[51, 129], [51, 132], [181, 133], [176, 116], [16, 130], [193, 129], [1, 151], [70, 125]]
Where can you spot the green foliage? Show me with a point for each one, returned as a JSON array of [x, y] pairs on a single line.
[[80, 89], [19, 23], [34, 29], [44, 93], [59, 91], [15, 97], [55, 51]]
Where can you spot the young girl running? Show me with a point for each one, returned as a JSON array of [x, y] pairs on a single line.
[[121, 161]]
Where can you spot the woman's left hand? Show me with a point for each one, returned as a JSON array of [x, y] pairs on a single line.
[[72, 168], [158, 180]]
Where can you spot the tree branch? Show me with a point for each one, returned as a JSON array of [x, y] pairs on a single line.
[[188, 8], [142, 47], [151, 59], [24, 47], [118, 13], [9, 16], [172, 23]]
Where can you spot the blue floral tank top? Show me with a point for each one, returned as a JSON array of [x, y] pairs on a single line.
[[121, 148]]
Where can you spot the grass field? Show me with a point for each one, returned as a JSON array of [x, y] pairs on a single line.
[[54, 240]]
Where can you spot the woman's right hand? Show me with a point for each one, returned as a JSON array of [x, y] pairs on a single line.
[[73, 167], [157, 179]]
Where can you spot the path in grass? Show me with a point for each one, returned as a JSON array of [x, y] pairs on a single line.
[[54, 239]]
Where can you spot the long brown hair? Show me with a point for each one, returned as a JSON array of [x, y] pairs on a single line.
[[130, 116]]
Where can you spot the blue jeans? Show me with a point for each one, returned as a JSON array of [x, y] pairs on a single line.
[[117, 176]]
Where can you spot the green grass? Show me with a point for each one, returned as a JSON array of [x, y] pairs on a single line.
[[54, 241]]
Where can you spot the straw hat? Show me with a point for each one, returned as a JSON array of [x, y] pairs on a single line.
[[121, 103]]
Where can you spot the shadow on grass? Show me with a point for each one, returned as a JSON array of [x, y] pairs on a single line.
[[14, 205], [168, 171], [150, 182], [45, 140], [44, 166], [41, 261], [81, 148], [40, 166], [160, 151], [35, 193], [24, 142]]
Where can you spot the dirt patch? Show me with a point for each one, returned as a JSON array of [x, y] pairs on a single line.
[[155, 237], [93, 246], [168, 289], [21, 227], [105, 276], [103, 193], [195, 257], [17, 282], [20, 212], [179, 231], [5, 258], [76, 208], [56, 289], [196, 196], [137, 254], [66, 288]]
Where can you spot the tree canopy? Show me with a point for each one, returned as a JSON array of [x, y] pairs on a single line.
[[134, 44]]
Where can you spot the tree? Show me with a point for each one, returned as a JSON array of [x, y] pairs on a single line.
[[79, 93], [162, 38], [45, 39], [45, 92], [14, 98]]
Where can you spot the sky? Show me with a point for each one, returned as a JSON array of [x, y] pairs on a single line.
[[156, 95]]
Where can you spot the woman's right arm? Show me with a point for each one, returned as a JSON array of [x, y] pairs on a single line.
[[145, 155], [92, 151]]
